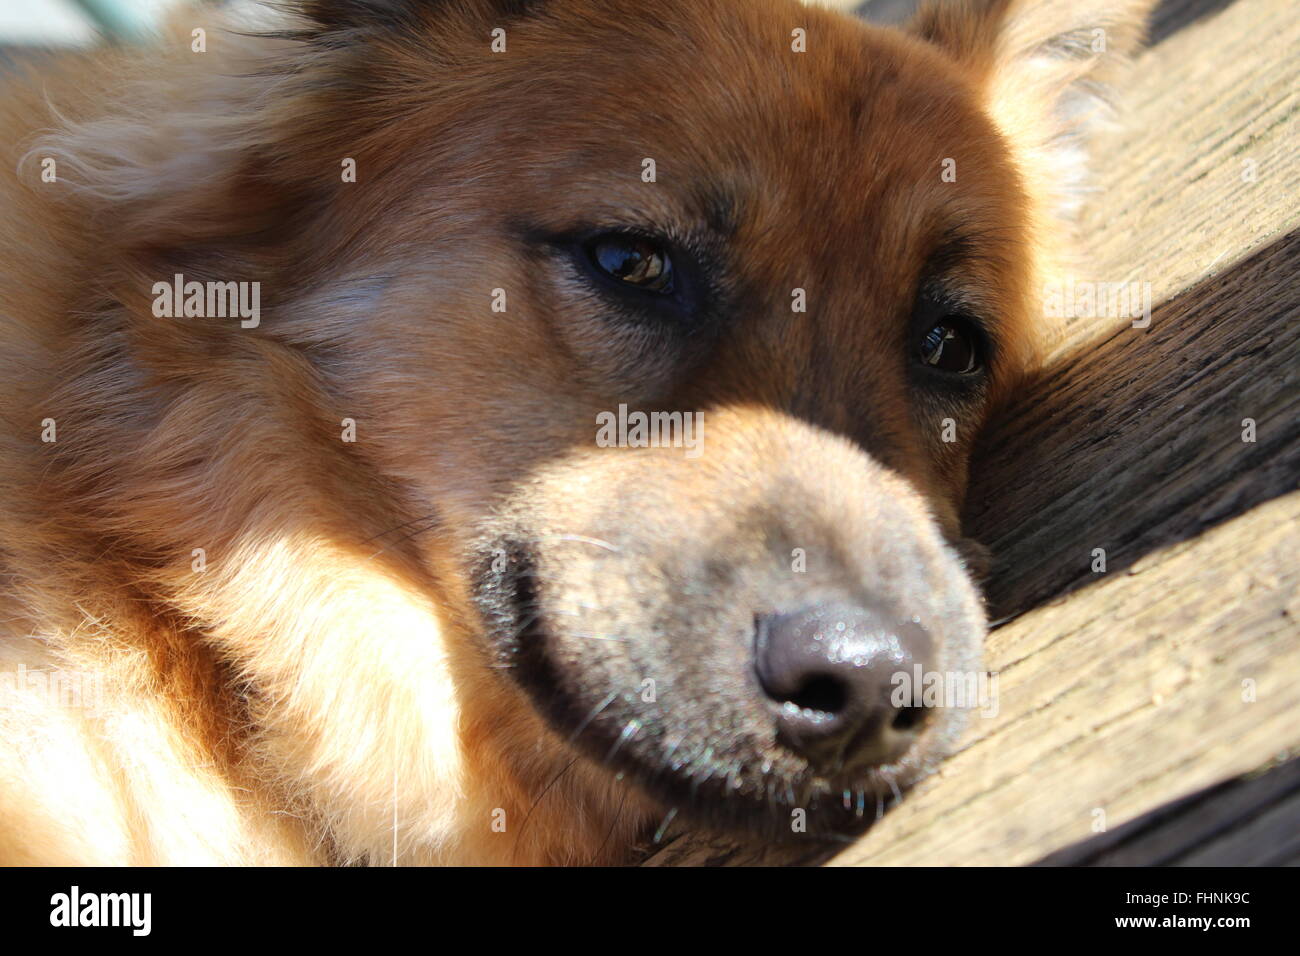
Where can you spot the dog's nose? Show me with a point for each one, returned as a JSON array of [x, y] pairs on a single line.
[[829, 671]]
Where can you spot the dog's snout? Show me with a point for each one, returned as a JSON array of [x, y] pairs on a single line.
[[838, 677]]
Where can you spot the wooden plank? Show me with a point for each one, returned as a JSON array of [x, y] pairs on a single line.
[[1215, 827], [1121, 693], [1268, 839]]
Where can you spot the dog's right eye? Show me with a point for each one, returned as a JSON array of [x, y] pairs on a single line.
[[634, 261], [951, 345], [948, 343]]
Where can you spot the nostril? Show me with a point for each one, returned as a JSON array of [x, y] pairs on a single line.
[[908, 718], [821, 692]]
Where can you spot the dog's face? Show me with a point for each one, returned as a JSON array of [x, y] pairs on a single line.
[[671, 207], [809, 241]]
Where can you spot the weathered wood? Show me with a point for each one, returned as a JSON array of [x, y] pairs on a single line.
[[1247, 821], [1123, 692]]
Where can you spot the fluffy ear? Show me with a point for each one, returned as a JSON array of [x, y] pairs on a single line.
[[1047, 68]]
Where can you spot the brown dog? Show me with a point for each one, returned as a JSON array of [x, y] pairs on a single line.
[[319, 328]]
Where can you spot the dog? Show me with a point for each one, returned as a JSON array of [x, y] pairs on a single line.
[[495, 431]]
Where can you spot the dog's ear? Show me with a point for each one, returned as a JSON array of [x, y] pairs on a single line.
[[353, 14], [1046, 69]]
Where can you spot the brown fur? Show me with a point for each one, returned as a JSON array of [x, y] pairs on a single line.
[[322, 691]]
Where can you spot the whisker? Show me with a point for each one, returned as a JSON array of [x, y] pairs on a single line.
[[630, 731], [609, 699], [581, 605], [898, 794], [432, 523], [663, 827], [617, 815], [404, 524], [598, 637], [545, 790], [581, 539]]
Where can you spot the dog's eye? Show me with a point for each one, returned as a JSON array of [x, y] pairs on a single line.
[[952, 345], [635, 261]]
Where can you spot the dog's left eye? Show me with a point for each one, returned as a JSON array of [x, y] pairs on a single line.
[[951, 345], [637, 262]]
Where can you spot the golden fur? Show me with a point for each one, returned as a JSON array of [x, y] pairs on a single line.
[[312, 688]]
